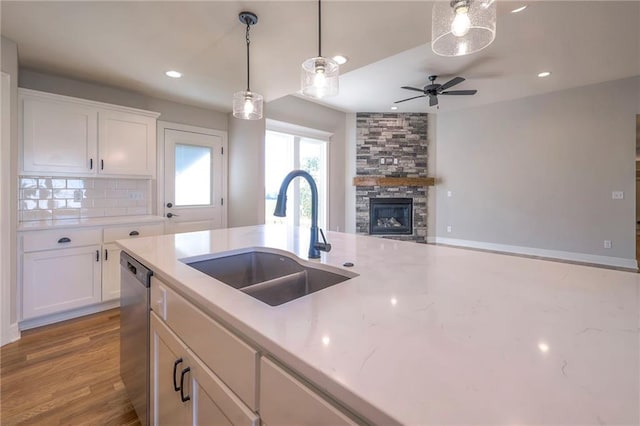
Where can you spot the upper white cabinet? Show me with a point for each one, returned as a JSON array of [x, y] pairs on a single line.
[[69, 136]]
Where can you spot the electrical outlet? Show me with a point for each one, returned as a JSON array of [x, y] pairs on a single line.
[[395, 161], [449, 194], [448, 228], [77, 195], [607, 244], [617, 195], [135, 195], [382, 161]]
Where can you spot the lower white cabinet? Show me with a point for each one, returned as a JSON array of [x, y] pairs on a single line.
[[184, 391], [110, 272], [59, 280]]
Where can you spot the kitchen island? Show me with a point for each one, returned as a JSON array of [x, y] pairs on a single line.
[[430, 334]]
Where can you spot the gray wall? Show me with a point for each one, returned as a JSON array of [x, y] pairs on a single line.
[[170, 111], [246, 172], [10, 66], [293, 110], [538, 172]]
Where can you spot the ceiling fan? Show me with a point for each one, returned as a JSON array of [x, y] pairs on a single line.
[[433, 89]]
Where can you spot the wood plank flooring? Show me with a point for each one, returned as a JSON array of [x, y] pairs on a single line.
[[66, 374]]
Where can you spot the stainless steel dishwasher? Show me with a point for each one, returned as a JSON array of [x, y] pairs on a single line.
[[135, 281]]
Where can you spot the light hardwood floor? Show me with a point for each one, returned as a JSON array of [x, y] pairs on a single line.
[[66, 373]]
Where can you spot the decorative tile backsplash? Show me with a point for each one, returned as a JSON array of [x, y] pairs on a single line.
[[45, 198]]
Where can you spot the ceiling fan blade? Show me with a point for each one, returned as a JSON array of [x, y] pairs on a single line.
[[460, 92], [433, 100], [412, 88], [451, 83], [408, 99]]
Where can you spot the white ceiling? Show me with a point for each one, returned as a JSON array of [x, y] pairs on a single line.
[[131, 44]]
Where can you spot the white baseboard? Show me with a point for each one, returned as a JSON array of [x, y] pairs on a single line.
[[63, 316], [617, 262], [11, 334]]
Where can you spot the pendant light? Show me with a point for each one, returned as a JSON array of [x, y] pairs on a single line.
[[462, 27], [247, 105], [320, 75]]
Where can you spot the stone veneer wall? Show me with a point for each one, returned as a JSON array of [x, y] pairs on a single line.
[[400, 136]]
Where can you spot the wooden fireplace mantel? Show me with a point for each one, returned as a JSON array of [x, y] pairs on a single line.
[[392, 181]]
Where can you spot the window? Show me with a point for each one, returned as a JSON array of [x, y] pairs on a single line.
[[286, 151]]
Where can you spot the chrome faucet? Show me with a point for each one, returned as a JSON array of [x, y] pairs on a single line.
[[281, 211]]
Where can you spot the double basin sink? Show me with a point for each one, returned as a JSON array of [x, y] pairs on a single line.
[[272, 277]]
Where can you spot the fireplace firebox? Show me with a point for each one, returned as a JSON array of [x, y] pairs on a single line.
[[390, 216]]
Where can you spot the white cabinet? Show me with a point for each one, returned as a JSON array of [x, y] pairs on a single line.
[[58, 136], [285, 400], [64, 136], [184, 391], [62, 270], [111, 254], [127, 143], [110, 272], [59, 280]]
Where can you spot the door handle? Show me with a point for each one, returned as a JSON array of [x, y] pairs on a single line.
[[170, 215], [182, 397], [175, 370], [169, 205]]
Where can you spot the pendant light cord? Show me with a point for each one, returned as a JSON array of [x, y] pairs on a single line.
[[319, 30], [248, 43]]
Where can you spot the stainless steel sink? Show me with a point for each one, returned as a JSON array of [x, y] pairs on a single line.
[[269, 276]]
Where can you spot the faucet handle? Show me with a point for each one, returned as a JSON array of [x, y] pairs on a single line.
[[324, 245]]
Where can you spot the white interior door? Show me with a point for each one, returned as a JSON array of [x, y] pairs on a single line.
[[194, 180]]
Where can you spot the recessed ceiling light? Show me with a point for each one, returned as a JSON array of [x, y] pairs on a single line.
[[173, 74], [393, 108], [520, 9], [544, 74], [341, 60]]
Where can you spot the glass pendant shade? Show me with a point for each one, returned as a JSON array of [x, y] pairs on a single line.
[[462, 27], [247, 105], [319, 77]]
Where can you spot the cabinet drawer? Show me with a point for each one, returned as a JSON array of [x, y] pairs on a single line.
[[60, 238], [131, 231], [284, 400], [230, 358]]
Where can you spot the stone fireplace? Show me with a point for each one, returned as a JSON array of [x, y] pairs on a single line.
[[391, 165], [390, 216]]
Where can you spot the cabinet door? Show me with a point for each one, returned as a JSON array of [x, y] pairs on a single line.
[[59, 280], [127, 144], [58, 137], [110, 272], [168, 360]]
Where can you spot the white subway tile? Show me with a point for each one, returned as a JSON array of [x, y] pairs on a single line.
[[76, 183], [74, 204], [137, 211], [116, 193], [104, 183], [66, 213], [32, 215], [94, 193], [28, 204], [105, 203], [125, 202], [44, 183], [126, 184], [63, 193], [28, 183], [91, 212], [119, 211], [58, 183]]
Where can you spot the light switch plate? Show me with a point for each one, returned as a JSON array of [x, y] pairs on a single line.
[[617, 195]]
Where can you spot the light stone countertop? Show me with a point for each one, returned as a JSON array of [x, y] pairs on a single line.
[[38, 225], [435, 335]]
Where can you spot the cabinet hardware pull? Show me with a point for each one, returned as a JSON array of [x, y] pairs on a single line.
[[97, 255], [175, 370], [134, 233], [64, 240], [106, 254], [90, 163], [182, 397], [101, 164]]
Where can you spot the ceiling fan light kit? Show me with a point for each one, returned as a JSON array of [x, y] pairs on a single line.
[[320, 76], [462, 27], [247, 105]]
